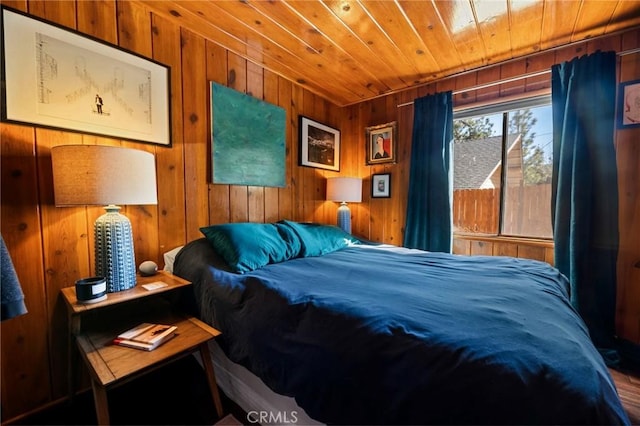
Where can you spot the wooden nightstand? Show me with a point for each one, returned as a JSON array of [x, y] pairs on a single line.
[[94, 326]]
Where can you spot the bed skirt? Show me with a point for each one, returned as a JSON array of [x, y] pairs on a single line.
[[262, 405]]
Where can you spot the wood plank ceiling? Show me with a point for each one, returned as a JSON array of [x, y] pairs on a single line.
[[353, 50]]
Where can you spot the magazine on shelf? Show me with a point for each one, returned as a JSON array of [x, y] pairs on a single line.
[[146, 336]]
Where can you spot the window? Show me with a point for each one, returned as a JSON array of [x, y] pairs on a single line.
[[491, 199]]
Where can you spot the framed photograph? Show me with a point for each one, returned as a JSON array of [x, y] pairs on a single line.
[[58, 78], [629, 104], [319, 145], [381, 185], [381, 143]]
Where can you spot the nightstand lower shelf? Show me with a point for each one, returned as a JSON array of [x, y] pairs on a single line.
[[111, 365]]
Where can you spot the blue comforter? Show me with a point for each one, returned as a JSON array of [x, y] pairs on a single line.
[[381, 334]]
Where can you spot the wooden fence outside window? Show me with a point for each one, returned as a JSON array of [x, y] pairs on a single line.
[[527, 208]]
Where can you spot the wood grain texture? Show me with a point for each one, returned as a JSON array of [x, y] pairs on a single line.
[[170, 162], [23, 339], [628, 159], [219, 193], [197, 160], [349, 52], [112, 363], [53, 246], [628, 386], [271, 194]]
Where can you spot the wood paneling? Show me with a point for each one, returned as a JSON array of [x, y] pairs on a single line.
[[52, 247], [348, 51], [628, 386], [197, 162], [25, 349], [218, 194], [170, 163], [628, 158]]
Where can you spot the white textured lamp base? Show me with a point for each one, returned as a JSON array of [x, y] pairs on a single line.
[[344, 217], [115, 258]]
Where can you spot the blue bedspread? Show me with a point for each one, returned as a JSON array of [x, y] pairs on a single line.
[[375, 334]]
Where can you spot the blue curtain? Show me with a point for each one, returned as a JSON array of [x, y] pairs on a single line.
[[429, 217], [11, 295], [585, 189]]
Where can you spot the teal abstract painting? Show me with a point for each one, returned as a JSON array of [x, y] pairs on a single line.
[[248, 139]]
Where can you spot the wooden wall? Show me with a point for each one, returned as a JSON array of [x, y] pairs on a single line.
[[52, 247]]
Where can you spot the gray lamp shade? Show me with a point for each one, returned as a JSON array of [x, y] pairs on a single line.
[[344, 190], [106, 175]]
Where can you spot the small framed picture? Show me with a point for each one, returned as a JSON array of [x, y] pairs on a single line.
[[381, 143], [319, 145], [629, 104], [381, 185]]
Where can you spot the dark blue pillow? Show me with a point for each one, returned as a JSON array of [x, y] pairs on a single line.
[[247, 246], [317, 239]]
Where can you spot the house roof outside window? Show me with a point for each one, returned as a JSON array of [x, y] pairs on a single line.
[[477, 162]]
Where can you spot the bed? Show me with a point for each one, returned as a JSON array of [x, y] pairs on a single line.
[[341, 331]]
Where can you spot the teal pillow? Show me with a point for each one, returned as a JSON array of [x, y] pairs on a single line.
[[317, 239], [247, 246], [290, 238]]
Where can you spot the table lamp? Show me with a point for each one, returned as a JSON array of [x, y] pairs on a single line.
[[344, 190], [106, 175]]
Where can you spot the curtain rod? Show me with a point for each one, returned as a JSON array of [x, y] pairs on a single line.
[[512, 79]]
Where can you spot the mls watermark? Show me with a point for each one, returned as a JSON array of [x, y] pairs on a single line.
[[270, 417]]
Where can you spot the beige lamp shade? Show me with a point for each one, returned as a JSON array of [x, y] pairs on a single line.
[[344, 189], [106, 175], [101, 175]]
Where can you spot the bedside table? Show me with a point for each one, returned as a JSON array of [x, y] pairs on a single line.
[[95, 325]]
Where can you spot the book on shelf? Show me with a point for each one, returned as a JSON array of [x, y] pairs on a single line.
[[146, 336]]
